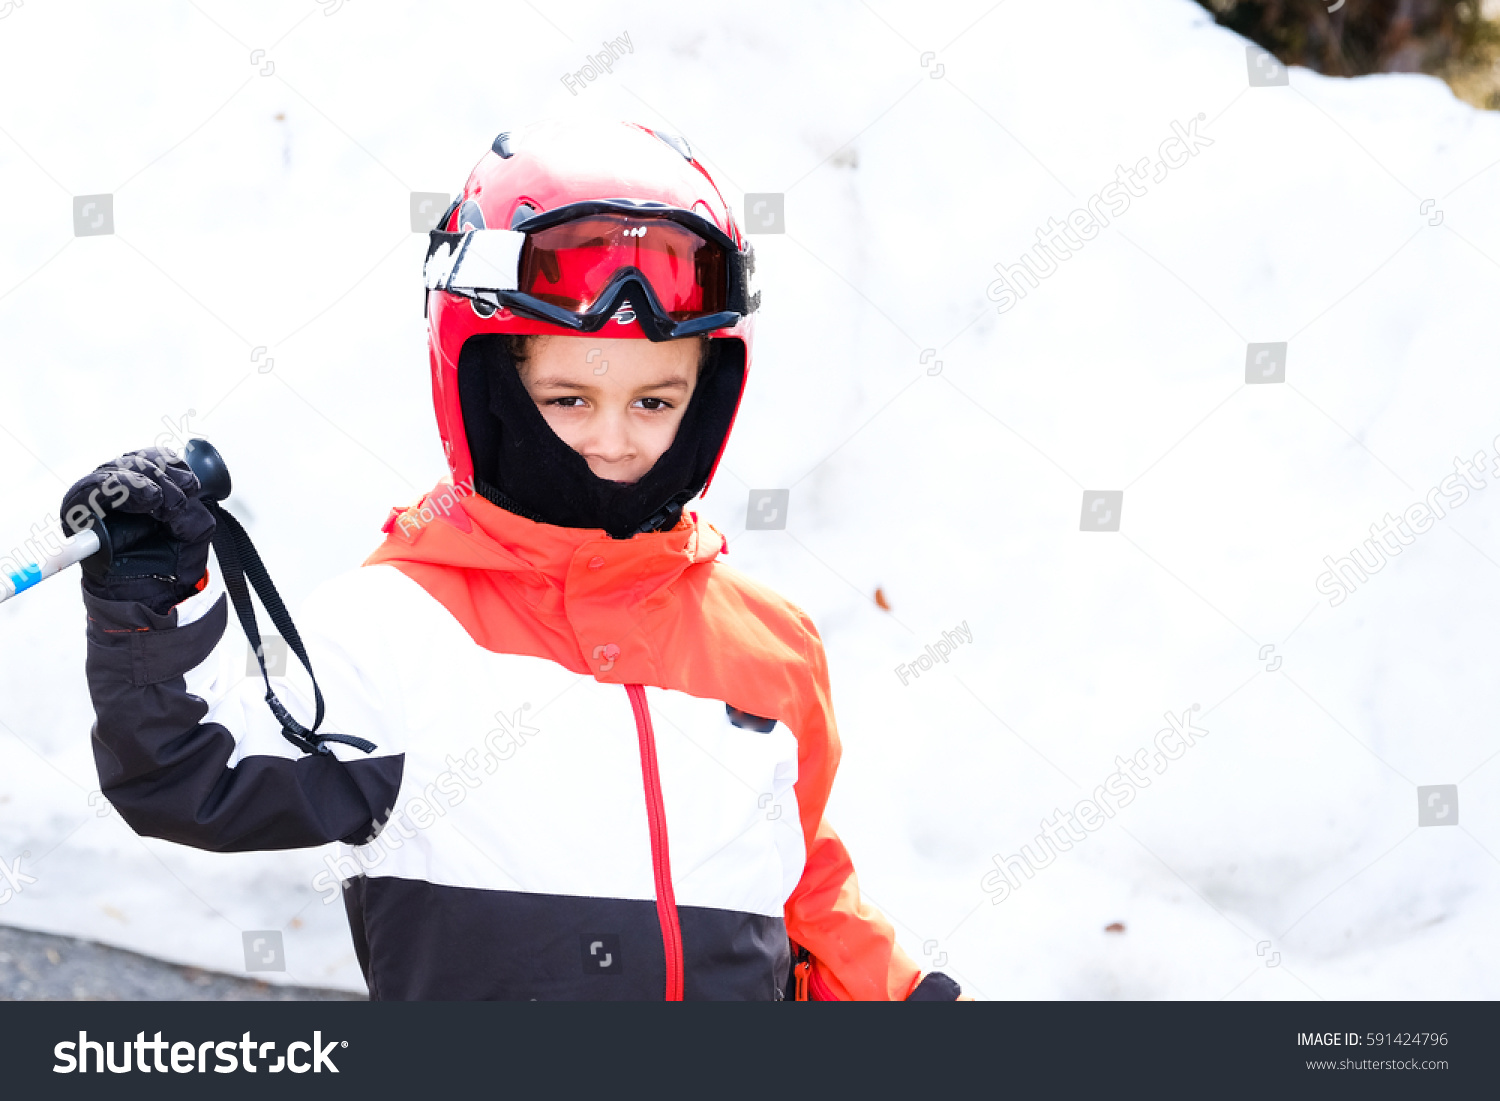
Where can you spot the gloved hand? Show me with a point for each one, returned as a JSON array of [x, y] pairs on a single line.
[[158, 528], [937, 987]]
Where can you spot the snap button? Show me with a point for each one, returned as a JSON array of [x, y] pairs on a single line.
[[596, 562]]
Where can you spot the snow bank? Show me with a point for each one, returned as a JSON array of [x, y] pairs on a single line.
[[263, 282]]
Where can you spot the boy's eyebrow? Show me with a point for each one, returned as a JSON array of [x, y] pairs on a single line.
[[676, 382]]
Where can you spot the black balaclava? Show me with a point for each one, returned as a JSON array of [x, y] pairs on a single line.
[[523, 466]]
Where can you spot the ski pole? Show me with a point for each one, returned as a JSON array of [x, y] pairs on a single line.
[[213, 478]]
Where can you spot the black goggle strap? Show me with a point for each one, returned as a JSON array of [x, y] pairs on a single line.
[[239, 560]]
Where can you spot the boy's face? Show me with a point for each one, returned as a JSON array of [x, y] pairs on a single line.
[[616, 402]]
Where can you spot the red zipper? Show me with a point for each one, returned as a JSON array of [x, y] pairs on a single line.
[[661, 861]]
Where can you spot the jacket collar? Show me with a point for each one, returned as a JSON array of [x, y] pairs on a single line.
[[455, 528]]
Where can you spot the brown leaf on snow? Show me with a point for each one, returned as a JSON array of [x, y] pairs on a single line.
[[1115, 927], [881, 600]]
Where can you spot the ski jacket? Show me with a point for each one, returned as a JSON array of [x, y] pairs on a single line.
[[601, 765]]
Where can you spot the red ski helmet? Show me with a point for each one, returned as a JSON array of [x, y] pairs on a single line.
[[610, 174]]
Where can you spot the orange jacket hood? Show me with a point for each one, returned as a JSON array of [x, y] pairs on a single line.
[[585, 591]]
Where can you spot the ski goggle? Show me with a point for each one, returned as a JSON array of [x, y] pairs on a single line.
[[576, 265]]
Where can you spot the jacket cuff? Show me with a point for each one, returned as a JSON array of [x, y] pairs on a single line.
[[935, 987], [109, 617]]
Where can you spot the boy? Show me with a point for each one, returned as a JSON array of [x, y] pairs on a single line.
[[647, 819]]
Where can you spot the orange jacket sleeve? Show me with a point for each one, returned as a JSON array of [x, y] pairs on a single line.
[[854, 952]]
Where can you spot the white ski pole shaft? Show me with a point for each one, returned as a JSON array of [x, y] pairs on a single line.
[[72, 551]]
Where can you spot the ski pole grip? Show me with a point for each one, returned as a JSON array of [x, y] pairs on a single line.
[[208, 465]]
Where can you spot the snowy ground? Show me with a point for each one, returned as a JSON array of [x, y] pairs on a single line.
[[1278, 857], [44, 966]]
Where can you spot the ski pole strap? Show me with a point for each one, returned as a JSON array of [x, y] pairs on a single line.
[[239, 561]]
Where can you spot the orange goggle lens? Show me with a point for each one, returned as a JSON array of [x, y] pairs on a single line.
[[569, 265]]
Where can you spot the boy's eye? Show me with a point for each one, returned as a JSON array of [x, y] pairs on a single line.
[[654, 404], [568, 402]]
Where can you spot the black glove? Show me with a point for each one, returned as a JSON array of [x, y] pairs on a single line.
[[158, 528], [935, 987]]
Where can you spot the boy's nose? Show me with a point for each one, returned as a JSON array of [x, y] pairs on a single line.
[[610, 442]]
